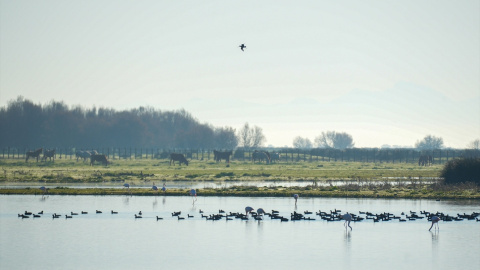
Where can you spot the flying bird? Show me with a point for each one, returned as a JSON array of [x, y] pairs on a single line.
[[242, 47]]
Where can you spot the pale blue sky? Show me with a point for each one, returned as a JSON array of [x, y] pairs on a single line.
[[386, 72]]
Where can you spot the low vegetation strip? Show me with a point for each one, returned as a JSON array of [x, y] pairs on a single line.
[[414, 191]]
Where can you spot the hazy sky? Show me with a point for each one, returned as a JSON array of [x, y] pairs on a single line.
[[386, 72]]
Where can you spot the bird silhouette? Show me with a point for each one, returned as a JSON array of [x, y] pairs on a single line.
[[435, 220], [348, 218], [242, 47]]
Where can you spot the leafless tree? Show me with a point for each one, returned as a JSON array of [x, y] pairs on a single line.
[[302, 143], [474, 145], [429, 143], [333, 139], [250, 137]]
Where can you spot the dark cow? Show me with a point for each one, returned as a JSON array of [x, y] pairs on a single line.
[[178, 157], [425, 160], [218, 156], [260, 156], [33, 154], [49, 154], [99, 158]]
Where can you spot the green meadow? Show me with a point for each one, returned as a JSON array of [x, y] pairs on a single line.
[[373, 180]]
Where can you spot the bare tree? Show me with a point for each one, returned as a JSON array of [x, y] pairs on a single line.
[[257, 136], [333, 139], [250, 137], [474, 145], [302, 143], [429, 143]]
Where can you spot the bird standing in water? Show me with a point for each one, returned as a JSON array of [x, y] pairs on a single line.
[[248, 209], [435, 220], [348, 218], [295, 196], [193, 193]]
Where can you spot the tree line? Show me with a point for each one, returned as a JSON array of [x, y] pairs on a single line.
[[25, 124]]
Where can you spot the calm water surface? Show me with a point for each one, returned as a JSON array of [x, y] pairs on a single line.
[[106, 241]]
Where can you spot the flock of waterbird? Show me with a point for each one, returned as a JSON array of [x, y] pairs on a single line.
[[260, 215]]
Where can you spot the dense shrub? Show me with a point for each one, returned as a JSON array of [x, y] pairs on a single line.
[[461, 170]]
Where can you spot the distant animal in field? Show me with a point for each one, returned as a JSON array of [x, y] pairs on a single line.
[[178, 157], [218, 156], [100, 158], [274, 157], [84, 154], [49, 154], [425, 160], [33, 154], [260, 156]]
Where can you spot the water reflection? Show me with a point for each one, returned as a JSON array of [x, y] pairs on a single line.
[[126, 200], [154, 204], [347, 237]]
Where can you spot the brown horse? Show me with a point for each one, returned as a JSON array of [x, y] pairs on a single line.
[[178, 157], [49, 154], [33, 154], [218, 156], [260, 156], [100, 158]]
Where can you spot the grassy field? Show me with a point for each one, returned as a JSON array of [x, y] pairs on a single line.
[[365, 179]]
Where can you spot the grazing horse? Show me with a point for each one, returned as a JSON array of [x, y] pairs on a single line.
[[49, 154], [260, 156], [274, 157], [99, 158], [178, 157], [85, 154], [33, 154], [218, 156], [425, 160], [82, 154]]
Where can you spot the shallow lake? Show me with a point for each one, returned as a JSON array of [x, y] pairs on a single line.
[[119, 241]]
